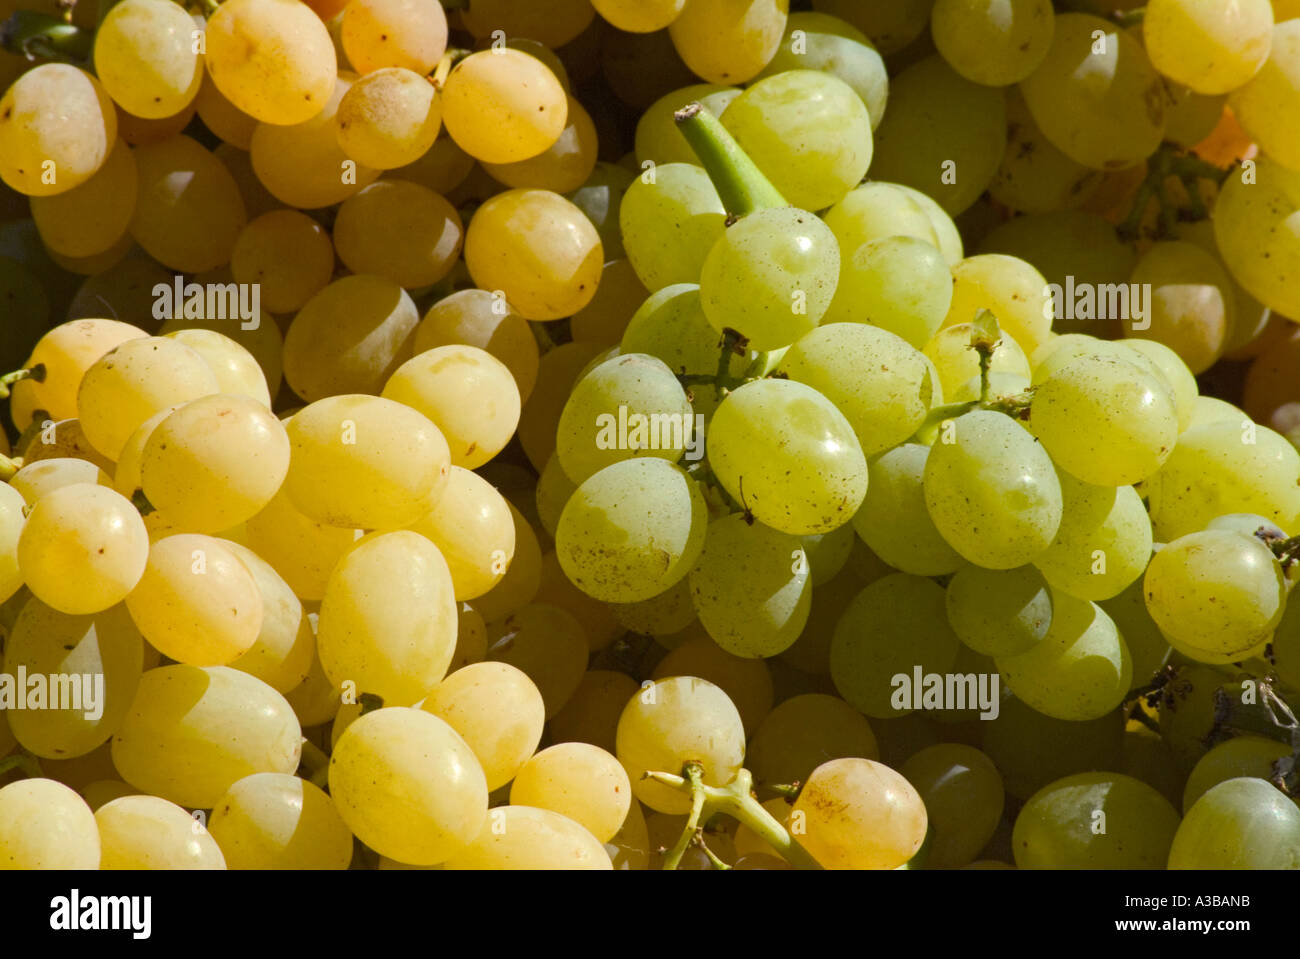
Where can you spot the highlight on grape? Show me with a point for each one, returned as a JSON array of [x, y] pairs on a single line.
[[648, 434]]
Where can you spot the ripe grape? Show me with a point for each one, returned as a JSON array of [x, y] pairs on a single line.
[[729, 41], [93, 217], [859, 814], [563, 166], [46, 825], [657, 137], [274, 821], [485, 320], [66, 352], [747, 682], [1103, 543], [671, 218], [1239, 824], [801, 733], [591, 714], [288, 255], [546, 643], [1255, 224], [894, 520], [995, 44], [1034, 176], [1266, 106], [388, 118], [471, 525], [281, 656], [399, 230], [579, 781], [146, 58], [1251, 756], [503, 106], [1210, 47], [1015, 292], [146, 832], [898, 283], [834, 46], [520, 837], [963, 796], [553, 24], [237, 371]]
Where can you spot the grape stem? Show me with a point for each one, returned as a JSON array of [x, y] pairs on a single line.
[[741, 186], [737, 801], [35, 374], [1275, 721], [695, 777], [25, 762], [449, 60], [30, 34], [984, 339], [1287, 551], [315, 763], [1170, 161], [704, 847]]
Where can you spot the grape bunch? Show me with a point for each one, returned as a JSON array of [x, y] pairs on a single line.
[[639, 434]]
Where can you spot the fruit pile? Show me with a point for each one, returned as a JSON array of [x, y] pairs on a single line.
[[507, 434]]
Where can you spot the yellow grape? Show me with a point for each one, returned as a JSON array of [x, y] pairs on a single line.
[[577, 780], [520, 837], [523, 578], [803, 732], [548, 644], [146, 832], [556, 373], [287, 254], [389, 118], [45, 825], [44, 476], [92, 217], [485, 320], [300, 549], [275, 821], [257, 198], [399, 230], [281, 655], [858, 814], [394, 33], [103, 791], [471, 638], [66, 352], [57, 127], [1266, 106], [729, 41], [605, 319], [747, 682], [598, 620], [139, 130], [639, 16], [554, 23], [502, 106], [563, 166], [315, 700], [592, 712], [222, 117], [471, 525], [236, 369], [963, 796], [442, 168], [272, 59], [1013, 289], [146, 56]]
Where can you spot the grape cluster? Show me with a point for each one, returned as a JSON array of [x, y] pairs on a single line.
[[530, 434]]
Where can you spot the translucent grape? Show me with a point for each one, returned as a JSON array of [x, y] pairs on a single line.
[[222, 117], [1257, 226], [274, 821], [523, 578], [145, 57], [1265, 106], [957, 361], [963, 796], [146, 832], [729, 41], [92, 217], [399, 230], [677, 201], [747, 682], [548, 645], [1210, 47], [563, 166], [557, 371], [639, 16], [999, 612], [237, 371], [471, 525], [388, 118], [300, 549], [46, 825], [891, 24], [288, 255], [600, 199], [1192, 305], [554, 25], [520, 837], [860, 814], [801, 733], [282, 654], [1249, 756], [485, 320], [1034, 176], [657, 137], [44, 476], [57, 127], [66, 352], [993, 43], [579, 781], [1103, 543], [1016, 293], [831, 45], [876, 211], [502, 106], [442, 168], [592, 712], [898, 283]]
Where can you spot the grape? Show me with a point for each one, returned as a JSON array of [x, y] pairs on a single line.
[[1080, 670], [146, 832], [45, 825], [553, 24], [877, 211], [963, 796], [893, 626], [57, 128], [520, 837], [66, 352], [992, 491], [802, 732], [893, 519], [1133, 423], [300, 549], [182, 184], [287, 254], [281, 656], [91, 218], [1257, 226], [1180, 379], [105, 646], [222, 117], [943, 134], [808, 132], [657, 138], [442, 168], [1217, 590], [831, 45], [303, 165], [272, 59], [1191, 117], [388, 118], [579, 781], [1191, 302], [604, 319], [859, 814], [591, 714], [1097, 99], [639, 16], [898, 283], [349, 338], [1103, 543], [563, 166], [1239, 824], [674, 721], [993, 43], [1249, 756], [236, 369], [548, 645], [82, 549], [600, 199], [1147, 646], [503, 106], [677, 201], [388, 619], [999, 612], [1095, 821], [364, 462], [1210, 47], [1266, 106], [399, 230], [804, 466], [408, 786], [747, 682], [523, 578], [44, 476], [485, 320], [1031, 749], [215, 462], [891, 24], [556, 374], [1015, 292], [729, 41], [471, 525], [539, 249], [498, 711], [145, 57], [192, 732], [274, 821], [1228, 466], [1034, 176], [957, 361]]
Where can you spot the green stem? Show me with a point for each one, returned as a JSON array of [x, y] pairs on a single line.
[[704, 847], [741, 186], [695, 777], [36, 374], [24, 761], [928, 431], [984, 339], [31, 34]]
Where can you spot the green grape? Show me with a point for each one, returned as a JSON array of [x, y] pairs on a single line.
[[751, 587], [282, 654], [472, 527], [388, 619], [665, 615], [264, 341], [1210, 47], [482, 319], [197, 603], [671, 218], [1241, 756], [670, 325], [408, 786], [523, 578], [520, 837], [992, 491], [591, 714], [1265, 106], [92, 218], [1017, 294], [237, 370], [1225, 467], [146, 832], [369, 224], [1034, 176], [1218, 591], [891, 24], [993, 43], [192, 732], [958, 363], [1080, 670], [274, 821], [628, 406], [808, 132], [877, 211], [818, 41], [1191, 117], [1133, 425], [1180, 379], [963, 796], [1147, 646], [671, 722], [600, 199], [364, 462], [503, 106], [1097, 98], [577, 780], [999, 612], [57, 128], [859, 814], [945, 229], [1031, 749], [467, 393], [349, 338], [388, 118], [1257, 226], [1191, 305], [898, 283], [894, 627], [553, 491], [828, 553], [747, 682], [46, 825], [564, 166], [893, 519], [1188, 709], [145, 57], [1286, 646], [105, 648], [1239, 824], [537, 248], [288, 255], [657, 138], [82, 549], [943, 135], [729, 41], [639, 16], [802, 733], [1097, 820], [1103, 543]]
